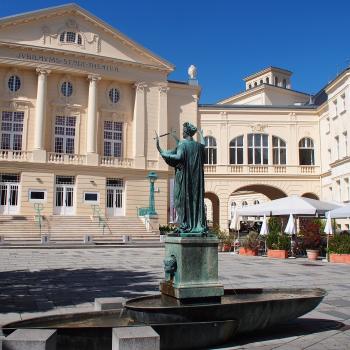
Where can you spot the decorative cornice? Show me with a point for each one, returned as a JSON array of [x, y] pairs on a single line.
[[163, 90], [140, 86], [43, 71], [94, 77], [340, 162]]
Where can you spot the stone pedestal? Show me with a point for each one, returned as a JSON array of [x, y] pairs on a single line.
[[135, 338], [191, 269]]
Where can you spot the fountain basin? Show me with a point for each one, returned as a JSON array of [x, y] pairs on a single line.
[[190, 326], [254, 309]]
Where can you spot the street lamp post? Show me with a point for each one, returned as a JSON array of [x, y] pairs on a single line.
[[151, 206]]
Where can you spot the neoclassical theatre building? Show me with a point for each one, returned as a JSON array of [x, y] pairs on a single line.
[[80, 104]]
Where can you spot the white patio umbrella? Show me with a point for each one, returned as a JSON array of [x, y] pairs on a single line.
[[235, 225], [342, 212], [291, 230], [294, 205], [264, 231], [328, 230]]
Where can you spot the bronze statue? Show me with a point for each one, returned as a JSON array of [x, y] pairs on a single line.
[[188, 160]]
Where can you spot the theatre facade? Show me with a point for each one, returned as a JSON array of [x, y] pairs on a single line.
[[80, 104]]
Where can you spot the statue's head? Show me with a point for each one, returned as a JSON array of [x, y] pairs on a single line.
[[189, 129]]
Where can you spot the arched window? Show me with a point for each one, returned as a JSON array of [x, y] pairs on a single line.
[[233, 204], [258, 149], [236, 150], [276, 81], [71, 37], [250, 86], [306, 151], [279, 150], [210, 150], [284, 83], [255, 84], [244, 203], [261, 81], [267, 80], [256, 201]]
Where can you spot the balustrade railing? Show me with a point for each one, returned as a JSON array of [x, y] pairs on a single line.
[[15, 155], [64, 158], [117, 162], [261, 169]]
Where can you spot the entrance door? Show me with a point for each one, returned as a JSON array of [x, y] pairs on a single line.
[[9, 198], [115, 205], [64, 198]]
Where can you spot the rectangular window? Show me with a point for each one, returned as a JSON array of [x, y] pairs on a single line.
[[336, 147], [113, 139], [65, 134], [11, 130], [91, 197], [37, 196], [258, 149]]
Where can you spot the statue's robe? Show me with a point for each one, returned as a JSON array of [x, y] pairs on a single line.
[[188, 160]]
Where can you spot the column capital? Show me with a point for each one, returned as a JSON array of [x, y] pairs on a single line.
[[140, 86], [43, 71], [163, 89], [94, 77]]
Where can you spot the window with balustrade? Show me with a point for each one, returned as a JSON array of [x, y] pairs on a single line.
[[279, 151], [113, 139], [11, 130], [210, 150], [306, 151], [236, 150], [258, 149], [65, 134]]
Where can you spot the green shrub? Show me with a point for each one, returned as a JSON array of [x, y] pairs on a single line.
[[166, 228], [220, 234], [275, 225], [252, 241], [277, 240], [339, 244]]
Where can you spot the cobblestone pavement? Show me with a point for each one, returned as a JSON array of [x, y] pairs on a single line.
[[37, 282]]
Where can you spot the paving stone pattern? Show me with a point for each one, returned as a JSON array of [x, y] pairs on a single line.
[[38, 282]]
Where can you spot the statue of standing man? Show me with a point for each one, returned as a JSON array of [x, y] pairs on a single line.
[[188, 160]]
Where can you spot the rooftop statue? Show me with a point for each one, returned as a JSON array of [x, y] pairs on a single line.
[[188, 160]]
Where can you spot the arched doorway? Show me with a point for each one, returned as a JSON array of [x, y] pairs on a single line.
[[310, 195], [215, 206], [268, 191]]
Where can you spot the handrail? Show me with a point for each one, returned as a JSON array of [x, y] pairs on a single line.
[[96, 212], [38, 207]]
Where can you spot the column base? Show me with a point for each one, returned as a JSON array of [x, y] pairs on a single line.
[[39, 156], [92, 159]]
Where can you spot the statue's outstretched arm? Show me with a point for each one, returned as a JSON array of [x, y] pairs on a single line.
[[175, 137], [201, 137]]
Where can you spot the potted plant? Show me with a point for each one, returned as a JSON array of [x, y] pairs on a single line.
[[250, 245], [310, 230], [339, 248], [278, 245], [223, 238]]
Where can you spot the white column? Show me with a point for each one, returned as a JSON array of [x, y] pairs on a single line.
[[163, 121], [139, 125], [40, 108], [92, 115]]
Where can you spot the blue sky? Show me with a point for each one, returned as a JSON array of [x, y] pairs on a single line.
[[228, 40]]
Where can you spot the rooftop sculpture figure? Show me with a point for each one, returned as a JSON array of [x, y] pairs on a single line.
[[188, 160]]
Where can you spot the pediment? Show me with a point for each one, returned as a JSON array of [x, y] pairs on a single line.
[[49, 29]]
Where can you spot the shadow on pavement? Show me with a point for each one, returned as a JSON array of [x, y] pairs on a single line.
[[296, 328], [29, 291]]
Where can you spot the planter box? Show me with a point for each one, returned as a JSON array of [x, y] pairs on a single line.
[[339, 258], [312, 254], [277, 254], [247, 251]]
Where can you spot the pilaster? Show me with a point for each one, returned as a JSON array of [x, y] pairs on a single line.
[[163, 120], [39, 153], [91, 143], [139, 125]]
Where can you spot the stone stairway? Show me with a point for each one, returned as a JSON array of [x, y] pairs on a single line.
[[72, 229]]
